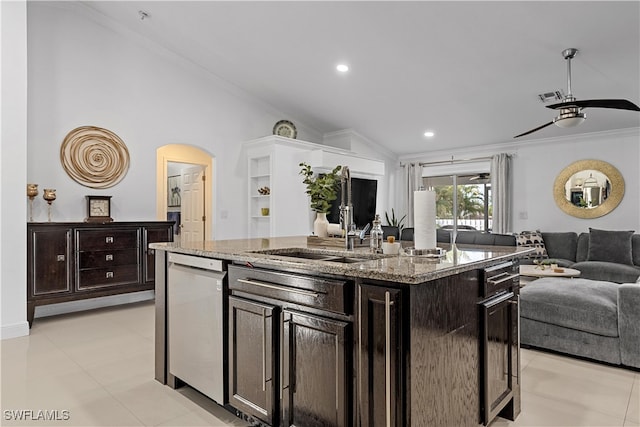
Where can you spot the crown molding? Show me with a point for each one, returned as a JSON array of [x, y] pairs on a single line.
[[513, 147]]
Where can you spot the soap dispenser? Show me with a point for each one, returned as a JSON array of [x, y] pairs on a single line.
[[376, 236]]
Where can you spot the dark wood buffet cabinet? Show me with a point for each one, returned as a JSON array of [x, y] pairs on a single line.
[[69, 261]]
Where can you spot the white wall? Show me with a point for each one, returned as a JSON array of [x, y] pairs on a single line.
[[13, 155], [85, 72], [537, 165]]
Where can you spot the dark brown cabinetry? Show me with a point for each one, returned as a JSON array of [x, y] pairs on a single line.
[[252, 341], [440, 353], [107, 257], [290, 348], [72, 261], [499, 343], [320, 349], [314, 377], [153, 234], [50, 261], [380, 356]]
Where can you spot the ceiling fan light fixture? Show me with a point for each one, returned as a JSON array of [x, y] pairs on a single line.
[[570, 120]]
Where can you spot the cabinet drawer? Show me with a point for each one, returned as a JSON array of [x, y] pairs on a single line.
[[90, 240], [101, 277], [500, 277], [96, 259], [327, 294]]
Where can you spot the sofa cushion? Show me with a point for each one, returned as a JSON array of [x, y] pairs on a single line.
[[610, 246], [607, 271], [532, 239], [635, 249], [580, 304], [582, 250], [561, 245]]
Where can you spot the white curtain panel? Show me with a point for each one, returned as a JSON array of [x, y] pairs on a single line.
[[413, 181], [501, 187]]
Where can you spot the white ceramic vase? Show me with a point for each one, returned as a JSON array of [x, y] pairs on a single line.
[[320, 225]]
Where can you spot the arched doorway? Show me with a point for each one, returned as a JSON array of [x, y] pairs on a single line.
[[184, 154]]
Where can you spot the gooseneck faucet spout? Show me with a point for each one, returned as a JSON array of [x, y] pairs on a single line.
[[346, 208]]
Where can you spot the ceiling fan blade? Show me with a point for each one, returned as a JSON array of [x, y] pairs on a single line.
[[618, 104], [534, 130]]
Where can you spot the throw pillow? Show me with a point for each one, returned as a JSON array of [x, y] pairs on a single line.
[[610, 246], [532, 239]]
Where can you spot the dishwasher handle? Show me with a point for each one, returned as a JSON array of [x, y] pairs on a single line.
[[196, 262]]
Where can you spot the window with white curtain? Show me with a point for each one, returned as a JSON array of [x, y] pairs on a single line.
[[469, 206]]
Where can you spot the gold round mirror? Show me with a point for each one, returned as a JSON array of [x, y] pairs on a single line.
[[588, 189]]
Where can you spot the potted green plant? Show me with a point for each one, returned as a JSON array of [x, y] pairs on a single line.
[[322, 190], [395, 222]]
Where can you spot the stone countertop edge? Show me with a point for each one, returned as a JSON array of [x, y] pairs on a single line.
[[394, 268]]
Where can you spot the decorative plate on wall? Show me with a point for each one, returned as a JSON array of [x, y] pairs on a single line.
[[94, 157], [285, 128]]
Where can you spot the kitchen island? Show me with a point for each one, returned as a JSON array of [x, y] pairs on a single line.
[[323, 336]]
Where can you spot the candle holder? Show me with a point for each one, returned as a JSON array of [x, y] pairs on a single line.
[[32, 192], [49, 195]]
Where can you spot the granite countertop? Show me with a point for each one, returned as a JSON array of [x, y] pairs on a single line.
[[396, 268]]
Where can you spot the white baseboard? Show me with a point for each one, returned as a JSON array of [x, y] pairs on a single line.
[[88, 304], [16, 330]]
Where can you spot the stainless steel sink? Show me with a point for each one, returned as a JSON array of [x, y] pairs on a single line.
[[347, 260], [319, 256]]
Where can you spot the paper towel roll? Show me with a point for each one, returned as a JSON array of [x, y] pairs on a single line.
[[424, 218]]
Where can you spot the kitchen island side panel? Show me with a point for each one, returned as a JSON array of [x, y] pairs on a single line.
[[443, 385]]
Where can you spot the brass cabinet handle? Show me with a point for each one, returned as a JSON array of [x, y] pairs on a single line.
[[60, 258], [109, 274], [108, 257], [108, 239]]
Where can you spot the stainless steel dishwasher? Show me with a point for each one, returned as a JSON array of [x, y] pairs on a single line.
[[195, 322]]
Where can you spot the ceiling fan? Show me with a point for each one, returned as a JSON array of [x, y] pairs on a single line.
[[481, 178], [571, 109]]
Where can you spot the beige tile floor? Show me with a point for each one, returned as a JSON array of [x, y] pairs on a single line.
[[98, 366]]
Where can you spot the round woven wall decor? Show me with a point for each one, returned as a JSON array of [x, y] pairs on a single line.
[[94, 157]]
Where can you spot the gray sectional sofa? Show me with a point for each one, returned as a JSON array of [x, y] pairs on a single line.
[[597, 315]]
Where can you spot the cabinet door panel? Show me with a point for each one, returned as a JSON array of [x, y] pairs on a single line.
[[380, 356], [252, 341], [153, 234], [50, 262], [315, 371], [496, 340]]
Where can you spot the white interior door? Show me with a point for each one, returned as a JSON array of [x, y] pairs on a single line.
[[192, 210]]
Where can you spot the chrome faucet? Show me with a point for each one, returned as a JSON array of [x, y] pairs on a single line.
[[346, 209]]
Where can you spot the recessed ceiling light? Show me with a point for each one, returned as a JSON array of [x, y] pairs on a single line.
[[342, 68], [429, 134]]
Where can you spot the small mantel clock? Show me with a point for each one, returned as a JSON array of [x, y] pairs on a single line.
[[98, 209]]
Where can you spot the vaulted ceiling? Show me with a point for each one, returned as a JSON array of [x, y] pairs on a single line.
[[469, 71]]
